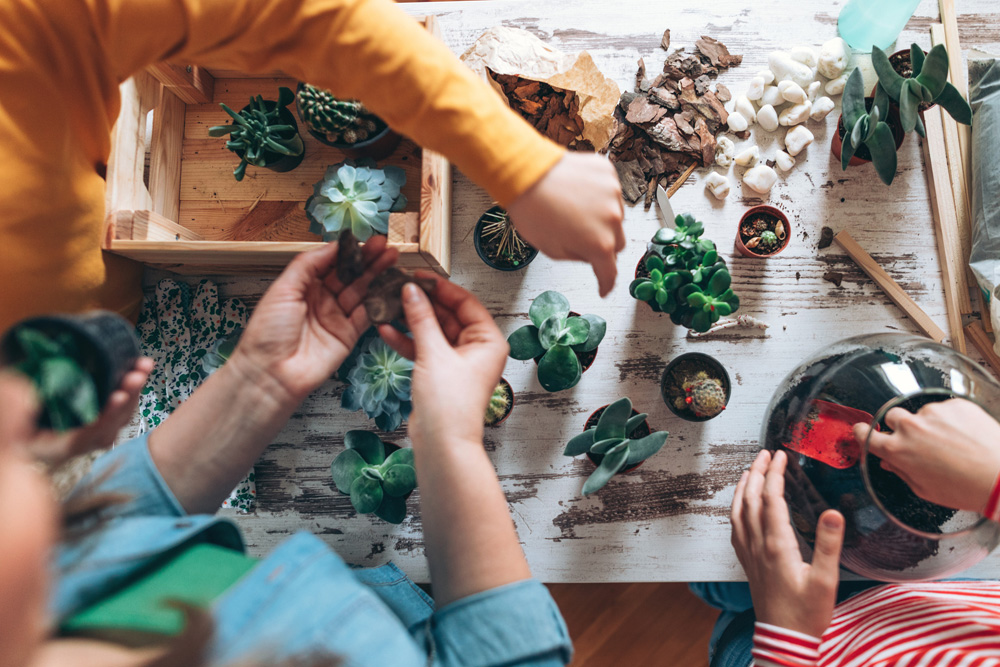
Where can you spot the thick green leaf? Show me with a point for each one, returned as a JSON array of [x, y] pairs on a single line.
[[719, 283], [883, 150], [916, 58], [701, 321], [611, 464], [392, 509], [285, 96], [860, 130], [372, 472], [853, 100], [920, 126], [645, 291], [612, 423], [642, 449], [847, 150], [723, 309], [399, 480], [888, 79], [546, 305], [662, 296], [595, 334], [634, 422], [881, 101], [654, 262], [366, 494], [697, 300], [952, 101], [656, 275], [346, 468], [550, 331], [934, 73], [576, 332], [559, 369], [908, 106], [605, 446], [580, 444], [710, 257], [524, 343], [367, 444], [665, 236], [402, 456], [672, 280]]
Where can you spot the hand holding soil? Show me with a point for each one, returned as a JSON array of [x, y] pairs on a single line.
[[948, 452]]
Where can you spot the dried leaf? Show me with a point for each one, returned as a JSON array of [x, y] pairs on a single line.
[[716, 52]]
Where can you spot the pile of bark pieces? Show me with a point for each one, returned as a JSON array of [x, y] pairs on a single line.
[[667, 127], [552, 111]]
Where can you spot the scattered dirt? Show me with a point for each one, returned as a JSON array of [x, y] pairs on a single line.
[[834, 277], [825, 238]]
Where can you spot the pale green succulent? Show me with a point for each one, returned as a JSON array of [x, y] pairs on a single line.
[[380, 385], [356, 196]]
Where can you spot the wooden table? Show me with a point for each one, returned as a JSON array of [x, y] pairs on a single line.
[[668, 520]]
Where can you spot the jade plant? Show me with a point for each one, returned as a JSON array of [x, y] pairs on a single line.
[[356, 196], [376, 482], [379, 384], [687, 280], [258, 135], [609, 444], [928, 84], [556, 337], [338, 121]]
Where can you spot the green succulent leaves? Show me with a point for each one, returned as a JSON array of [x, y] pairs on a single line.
[[375, 482], [257, 133], [867, 128], [358, 196], [379, 383], [556, 337]]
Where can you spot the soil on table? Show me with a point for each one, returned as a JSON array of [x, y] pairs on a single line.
[[757, 224], [685, 370], [640, 431]]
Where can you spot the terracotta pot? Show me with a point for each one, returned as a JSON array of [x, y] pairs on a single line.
[[837, 142], [586, 359], [712, 365], [747, 252], [510, 408], [595, 459]]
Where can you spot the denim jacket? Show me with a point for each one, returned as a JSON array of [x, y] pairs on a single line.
[[302, 598]]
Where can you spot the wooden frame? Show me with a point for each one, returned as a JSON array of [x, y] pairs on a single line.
[[188, 214]]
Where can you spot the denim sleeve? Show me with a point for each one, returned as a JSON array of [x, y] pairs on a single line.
[[516, 624], [129, 469]]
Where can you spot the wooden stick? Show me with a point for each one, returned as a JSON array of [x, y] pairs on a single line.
[[680, 181], [982, 342], [890, 287]]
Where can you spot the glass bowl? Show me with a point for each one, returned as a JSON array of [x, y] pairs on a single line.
[[891, 534]]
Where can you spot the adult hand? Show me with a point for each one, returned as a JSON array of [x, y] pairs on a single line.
[[307, 322], [459, 354], [787, 592], [948, 452], [575, 212]]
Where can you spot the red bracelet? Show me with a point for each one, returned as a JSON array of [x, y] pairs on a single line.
[[992, 509]]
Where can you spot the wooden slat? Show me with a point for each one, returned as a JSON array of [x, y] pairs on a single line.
[[165, 155], [982, 342], [435, 204], [190, 83], [890, 287], [125, 189], [150, 226]]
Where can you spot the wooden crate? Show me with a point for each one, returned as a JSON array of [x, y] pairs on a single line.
[[172, 201]]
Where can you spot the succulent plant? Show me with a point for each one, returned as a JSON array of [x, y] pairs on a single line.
[[609, 442], [928, 85], [66, 390], [867, 128], [556, 337], [376, 482], [379, 384], [687, 278], [217, 355], [258, 133], [498, 405], [356, 196], [339, 121], [706, 396], [768, 243]]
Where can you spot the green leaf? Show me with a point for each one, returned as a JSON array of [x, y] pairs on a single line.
[[846, 151], [605, 446], [656, 275], [908, 106], [665, 236], [550, 331], [580, 444], [367, 444], [672, 280], [853, 100], [934, 72], [559, 369], [221, 130], [916, 58], [524, 343], [888, 79], [654, 261], [920, 126], [701, 321], [719, 283], [883, 150], [723, 309], [952, 101], [372, 472], [392, 509], [613, 420], [860, 131], [662, 296], [546, 305], [635, 422], [610, 465], [576, 332], [881, 101], [642, 449], [366, 494], [710, 258], [402, 456], [346, 468], [598, 328], [399, 480], [697, 299], [645, 291], [285, 96]]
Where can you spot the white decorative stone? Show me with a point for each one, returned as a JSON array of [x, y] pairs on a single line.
[[725, 149], [784, 161], [834, 57], [797, 139], [745, 108], [737, 122], [756, 89], [792, 92], [836, 86], [760, 179], [767, 118], [767, 75], [772, 96], [795, 114], [806, 55], [717, 184], [813, 90], [821, 108], [748, 157], [787, 69]]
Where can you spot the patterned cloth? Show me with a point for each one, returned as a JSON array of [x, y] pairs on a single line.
[[177, 329]]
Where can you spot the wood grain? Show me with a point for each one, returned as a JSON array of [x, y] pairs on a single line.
[[165, 155], [984, 344], [190, 83]]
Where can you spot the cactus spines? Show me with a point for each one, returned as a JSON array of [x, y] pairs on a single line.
[[705, 396], [339, 121], [498, 406]]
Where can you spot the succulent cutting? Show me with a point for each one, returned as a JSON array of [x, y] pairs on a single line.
[[867, 128], [376, 483], [356, 196], [336, 120], [379, 384]]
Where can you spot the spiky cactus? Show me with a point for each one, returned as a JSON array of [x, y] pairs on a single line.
[[339, 121], [705, 396], [498, 405]]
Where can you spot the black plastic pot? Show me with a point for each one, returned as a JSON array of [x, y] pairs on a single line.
[[710, 364], [477, 241], [380, 145], [510, 408], [277, 161], [637, 432]]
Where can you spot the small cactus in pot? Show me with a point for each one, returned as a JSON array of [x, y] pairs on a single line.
[[705, 396], [335, 120], [500, 405]]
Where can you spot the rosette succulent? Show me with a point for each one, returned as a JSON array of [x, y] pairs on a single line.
[[338, 121], [868, 128], [356, 196], [376, 482], [379, 384]]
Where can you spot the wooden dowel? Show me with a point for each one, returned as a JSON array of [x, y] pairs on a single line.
[[675, 186], [982, 342]]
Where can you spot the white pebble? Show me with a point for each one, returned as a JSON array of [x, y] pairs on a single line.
[[821, 108], [797, 139], [717, 184], [813, 90], [785, 68], [737, 122], [772, 96], [836, 86], [792, 92], [756, 89], [767, 118], [804, 54], [834, 57], [796, 114], [725, 149], [748, 157], [745, 108], [760, 179], [767, 75], [784, 161]]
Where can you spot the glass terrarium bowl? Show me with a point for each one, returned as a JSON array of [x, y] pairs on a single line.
[[891, 534]]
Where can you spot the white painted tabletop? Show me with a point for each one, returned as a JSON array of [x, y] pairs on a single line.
[[668, 520]]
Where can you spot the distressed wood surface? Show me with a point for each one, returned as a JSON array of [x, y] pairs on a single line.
[[668, 520]]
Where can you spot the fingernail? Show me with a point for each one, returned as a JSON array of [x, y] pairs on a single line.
[[410, 293], [831, 521]]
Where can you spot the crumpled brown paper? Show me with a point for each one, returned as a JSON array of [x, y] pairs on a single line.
[[518, 52]]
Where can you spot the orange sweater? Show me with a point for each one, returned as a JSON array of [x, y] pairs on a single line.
[[60, 65]]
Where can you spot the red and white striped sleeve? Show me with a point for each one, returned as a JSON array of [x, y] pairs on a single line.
[[779, 647], [992, 509]]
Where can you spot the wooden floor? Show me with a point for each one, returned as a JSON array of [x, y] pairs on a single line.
[[635, 625]]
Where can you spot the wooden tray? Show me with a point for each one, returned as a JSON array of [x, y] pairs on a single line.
[[172, 201]]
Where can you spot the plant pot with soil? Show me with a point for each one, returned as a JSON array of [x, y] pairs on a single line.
[[498, 244], [563, 342], [378, 476], [344, 124], [869, 129], [74, 361], [763, 232], [501, 404], [264, 133], [617, 439], [695, 387]]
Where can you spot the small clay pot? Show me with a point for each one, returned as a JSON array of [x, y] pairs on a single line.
[[510, 408], [768, 210], [708, 364], [586, 359], [378, 146], [496, 263], [592, 421], [862, 155], [278, 162]]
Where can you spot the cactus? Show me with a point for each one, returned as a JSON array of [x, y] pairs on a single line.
[[339, 121], [498, 405], [706, 396], [258, 134]]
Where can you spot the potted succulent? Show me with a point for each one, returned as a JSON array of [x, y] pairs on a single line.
[[74, 361], [379, 476], [764, 231], [869, 130], [695, 387], [356, 196], [263, 133], [562, 342], [498, 244], [344, 124], [683, 276], [501, 404], [916, 93], [616, 439], [378, 380]]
